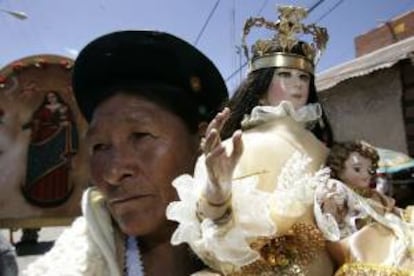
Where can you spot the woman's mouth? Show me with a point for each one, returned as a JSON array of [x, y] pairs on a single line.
[[122, 199]]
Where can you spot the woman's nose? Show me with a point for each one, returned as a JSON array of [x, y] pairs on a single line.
[[366, 176], [297, 82], [120, 167]]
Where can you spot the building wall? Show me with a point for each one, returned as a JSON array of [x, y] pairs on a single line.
[[407, 72], [368, 108], [395, 30]]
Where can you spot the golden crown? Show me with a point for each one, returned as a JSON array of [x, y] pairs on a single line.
[[277, 51]]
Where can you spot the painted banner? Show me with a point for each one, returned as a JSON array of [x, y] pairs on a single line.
[[42, 161]]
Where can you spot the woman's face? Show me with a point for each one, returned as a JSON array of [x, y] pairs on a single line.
[[51, 98], [357, 171], [288, 85], [137, 148]]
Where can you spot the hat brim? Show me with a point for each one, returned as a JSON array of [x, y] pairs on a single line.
[[146, 57]]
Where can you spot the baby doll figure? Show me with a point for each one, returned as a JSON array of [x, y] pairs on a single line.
[[353, 215], [355, 164]]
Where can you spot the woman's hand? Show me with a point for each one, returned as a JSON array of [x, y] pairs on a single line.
[[220, 164]]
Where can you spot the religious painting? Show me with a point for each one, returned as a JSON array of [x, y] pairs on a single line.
[[42, 161]]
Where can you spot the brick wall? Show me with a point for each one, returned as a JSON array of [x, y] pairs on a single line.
[[394, 30]]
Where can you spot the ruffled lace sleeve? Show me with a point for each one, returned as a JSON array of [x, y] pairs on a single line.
[[330, 200], [222, 247], [255, 214]]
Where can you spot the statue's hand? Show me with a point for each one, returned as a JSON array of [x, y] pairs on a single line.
[[220, 165]]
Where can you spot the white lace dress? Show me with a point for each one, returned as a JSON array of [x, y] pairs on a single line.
[[262, 206]]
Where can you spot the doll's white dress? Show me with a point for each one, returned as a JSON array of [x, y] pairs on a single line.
[[272, 229]]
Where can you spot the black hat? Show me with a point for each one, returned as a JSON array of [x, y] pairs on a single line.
[[145, 58]]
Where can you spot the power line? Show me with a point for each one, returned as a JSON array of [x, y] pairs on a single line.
[[314, 6], [237, 71], [206, 22], [262, 7], [329, 11]]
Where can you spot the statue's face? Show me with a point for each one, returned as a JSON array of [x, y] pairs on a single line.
[[357, 171], [288, 85]]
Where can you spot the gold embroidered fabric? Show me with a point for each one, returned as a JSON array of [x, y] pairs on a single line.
[[289, 254], [408, 214], [366, 192], [362, 269]]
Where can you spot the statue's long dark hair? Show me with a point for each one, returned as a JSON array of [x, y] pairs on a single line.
[[248, 95]]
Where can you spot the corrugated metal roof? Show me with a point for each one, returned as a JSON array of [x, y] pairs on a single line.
[[364, 65]]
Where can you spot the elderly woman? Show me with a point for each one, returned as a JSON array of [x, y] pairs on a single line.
[[354, 216], [248, 210], [147, 96]]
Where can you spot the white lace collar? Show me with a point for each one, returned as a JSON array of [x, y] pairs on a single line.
[[307, 114]]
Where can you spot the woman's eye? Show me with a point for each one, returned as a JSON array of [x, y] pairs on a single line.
[[357, 169], [283, 74], [140, 135], [99, 147], [304, 77]]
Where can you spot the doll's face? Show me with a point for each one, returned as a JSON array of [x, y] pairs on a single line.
[[288, 85], [357, 171]]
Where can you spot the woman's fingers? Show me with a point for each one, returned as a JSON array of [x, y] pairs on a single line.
[[224, 116], [211, 141], [221, 164], [215, 171], [212, 138], [237, 146], [219, 121], [216, 152]]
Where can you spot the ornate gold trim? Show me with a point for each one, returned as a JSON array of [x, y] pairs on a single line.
[[290, 254], [287, 31], [356, 269], [280, 59]]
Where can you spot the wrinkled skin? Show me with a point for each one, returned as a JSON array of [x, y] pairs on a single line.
[[136, 150]]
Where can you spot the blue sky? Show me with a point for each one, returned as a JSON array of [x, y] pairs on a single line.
[[64, 27]]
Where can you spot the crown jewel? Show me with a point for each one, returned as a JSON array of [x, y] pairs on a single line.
[[278, 51]]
